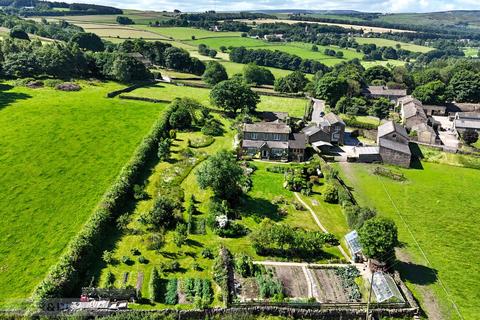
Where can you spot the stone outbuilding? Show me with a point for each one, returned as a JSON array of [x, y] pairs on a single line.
[[330, 128], [392, 139]]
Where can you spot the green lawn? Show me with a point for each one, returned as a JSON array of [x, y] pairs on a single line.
[[436, 207], [60, 152], [392, 43], [181, 33], [295, 106]]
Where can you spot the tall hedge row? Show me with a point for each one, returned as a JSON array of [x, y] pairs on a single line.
[[64, 277]]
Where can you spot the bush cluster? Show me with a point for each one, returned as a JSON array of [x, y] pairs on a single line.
[[199, 291]]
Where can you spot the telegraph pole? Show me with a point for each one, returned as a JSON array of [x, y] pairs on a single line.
[[367, 317]]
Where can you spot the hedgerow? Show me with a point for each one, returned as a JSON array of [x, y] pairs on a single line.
[[64, 277]]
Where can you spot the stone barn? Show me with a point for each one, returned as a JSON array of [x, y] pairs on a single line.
[[392, 139]]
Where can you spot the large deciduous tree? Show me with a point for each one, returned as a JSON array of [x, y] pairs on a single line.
[[214, 73], [380, 108], [223, 175], [465, 86], [256, 75], [292, 83], [379, 237], [431, 93], [331, 89], [234, 95], [378, 73], [88, 41]]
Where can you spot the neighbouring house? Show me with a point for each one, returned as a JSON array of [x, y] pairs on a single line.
[[466, 120], [330, 129], [412, 114], [384, 92], [424, 133], [392, 139], [273, 140]]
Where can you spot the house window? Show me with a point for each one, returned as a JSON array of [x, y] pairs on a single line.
[[254, 135], [276, 136]]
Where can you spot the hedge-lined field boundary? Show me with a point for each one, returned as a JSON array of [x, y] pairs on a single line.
[[65, 276]]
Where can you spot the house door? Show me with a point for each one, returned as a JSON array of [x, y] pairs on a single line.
[[264, 153]]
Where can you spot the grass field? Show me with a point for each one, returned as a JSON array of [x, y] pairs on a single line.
[[391, 43], [60, 151], [294, 106], [139, 17], [180, 33], [436, 210]]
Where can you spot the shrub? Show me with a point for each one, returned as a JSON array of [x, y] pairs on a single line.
[[330, 194], [207, 253], [109, 280], [196, 266], [222, 274], [126, 260], [135, 251], [52, 83], [68, 86], [154, 286], [244, 265], [108, 257], [155, 241], [212, 128], [142, 260], [171, 296], [269, 286], [139, 192]]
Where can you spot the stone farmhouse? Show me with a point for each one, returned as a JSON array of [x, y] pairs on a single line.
[[392, 139], [415, 119], [329, 129], [273, 141], [384, 92]]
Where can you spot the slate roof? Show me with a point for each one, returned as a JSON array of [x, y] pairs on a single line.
[[422, 127], [332, 118], [384, 91], [468, 115], [267, 127], [408, 99], [311, 130], [412, 109], [467, 124], [297, 141], [391, 126], [396, 146]]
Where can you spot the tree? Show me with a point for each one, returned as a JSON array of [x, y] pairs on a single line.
[[19, 34], [127, 69], [380, 108], [223, 49], [155, 286], [124, 20], [162, 214], [379, 237], [330, 194], [180, 235], [234, 95], [356, 216], [88, 41], [212, 53], [470, 136], [378, 73], [164, 149], [20, 65], [292, 83], [314, 48], [222, 174], [253, 74], [214, 73], [339, 54], [431, 93], [465, 86], [330, 89]]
